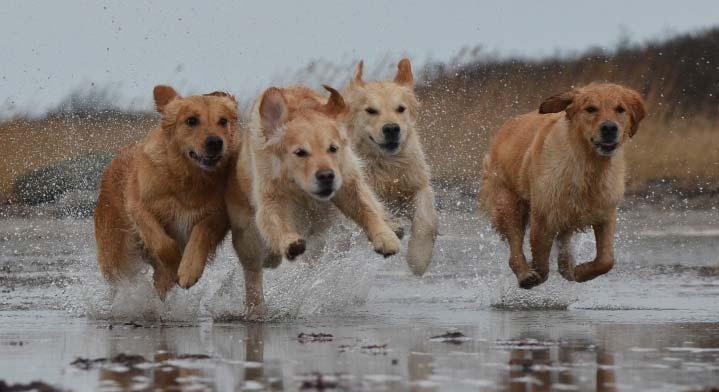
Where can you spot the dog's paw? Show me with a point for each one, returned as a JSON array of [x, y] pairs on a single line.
[[398, 231], [386, 243], [567, 272], [529, 279], [163, 281], [592, 269], [295, 248], [189, 273], [256, 313], [396, 228]]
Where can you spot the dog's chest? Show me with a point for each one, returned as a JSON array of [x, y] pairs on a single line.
[[574, 199], [314, 217], [181, 223], [393, 182]]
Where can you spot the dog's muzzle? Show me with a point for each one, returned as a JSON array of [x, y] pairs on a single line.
[[325, 180], [608, 139], [391, 133]]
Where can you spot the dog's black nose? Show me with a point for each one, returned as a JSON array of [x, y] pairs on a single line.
[[325, 177], [213, 145], [391, 132], [609, 130]]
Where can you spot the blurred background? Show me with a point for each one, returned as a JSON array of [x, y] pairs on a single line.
[[76, 78]]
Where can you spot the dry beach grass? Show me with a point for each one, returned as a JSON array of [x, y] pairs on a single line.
[[463, 105]]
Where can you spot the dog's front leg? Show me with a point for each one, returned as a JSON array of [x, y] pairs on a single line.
[[161, 246], [206, 236], [357, 201], [604, 262], [541, 238], [275, 224], [424, 232]]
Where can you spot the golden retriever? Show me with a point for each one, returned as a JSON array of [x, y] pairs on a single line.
[[381, 125], [561, 169], [162, 200], [295, 169]]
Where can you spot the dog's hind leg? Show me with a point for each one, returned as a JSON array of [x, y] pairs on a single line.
[[424, 232], [249, 248], [112, 236], [565, 258], [541, 238], [509, 217]]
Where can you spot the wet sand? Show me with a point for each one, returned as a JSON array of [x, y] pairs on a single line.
[[651, 324]]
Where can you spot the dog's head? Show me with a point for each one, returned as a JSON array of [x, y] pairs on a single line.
[[606, 114], [383, 114], [309, 145], [199, 127]]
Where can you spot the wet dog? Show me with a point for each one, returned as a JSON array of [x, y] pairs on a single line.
[[561, 169], [295, 171], [162, 200], [381, 125]]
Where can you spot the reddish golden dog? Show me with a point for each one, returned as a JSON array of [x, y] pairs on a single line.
[[163, 200], [561, 169], [295, 171]]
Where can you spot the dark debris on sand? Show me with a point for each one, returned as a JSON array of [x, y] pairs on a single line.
[[315, 337], [375, 349], [316, 381], [452, 337], [37, 386], [123, 359]]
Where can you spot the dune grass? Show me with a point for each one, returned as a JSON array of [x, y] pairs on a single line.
[[463, 105]]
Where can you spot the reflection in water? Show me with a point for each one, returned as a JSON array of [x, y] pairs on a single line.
[[239, 356], [532, 368]]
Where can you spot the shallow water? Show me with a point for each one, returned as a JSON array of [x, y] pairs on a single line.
[[651, 324]]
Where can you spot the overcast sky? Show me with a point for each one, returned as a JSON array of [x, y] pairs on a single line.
[[50, 48]]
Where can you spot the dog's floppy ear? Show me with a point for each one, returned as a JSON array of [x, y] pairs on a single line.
[[556, 103], [637, 112], [336, 105], [357, 78], [163, 95], [404, 73], [273, 112], [222, 94]]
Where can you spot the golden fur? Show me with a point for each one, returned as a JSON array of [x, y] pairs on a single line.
[[162, 199], [276, 199], [399, 174], [561, 169]]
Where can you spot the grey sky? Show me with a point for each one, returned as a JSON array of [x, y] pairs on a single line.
[[50, 47]]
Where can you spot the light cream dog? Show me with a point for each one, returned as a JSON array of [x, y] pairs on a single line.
[[561, 169], [295, 169], [382, 128]]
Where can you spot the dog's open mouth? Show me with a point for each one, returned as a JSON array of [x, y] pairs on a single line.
[[325, 194], [208, 161], [387, 146], [604, 148]]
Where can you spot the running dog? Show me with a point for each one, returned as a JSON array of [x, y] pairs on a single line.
[[295, 169], [561, 169], [381, 125], [162, 200]]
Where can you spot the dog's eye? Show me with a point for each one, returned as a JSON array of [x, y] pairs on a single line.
[[372, 111], [333, 149], [301, 152], [192, 121], [591, 109], [620, 109], [401, 109], [222, 122]]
